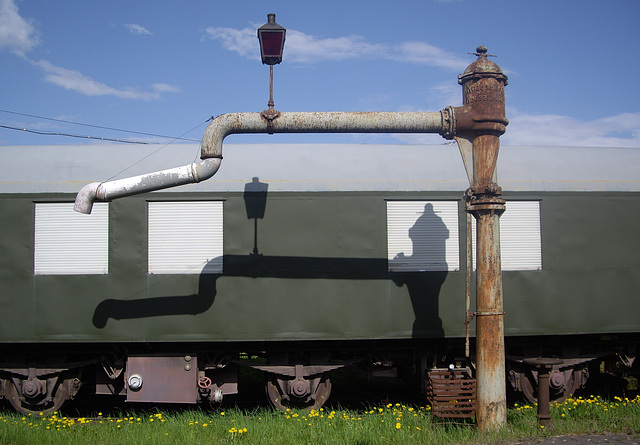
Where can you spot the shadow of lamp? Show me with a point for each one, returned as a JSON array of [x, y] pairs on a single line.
[[255, 202]]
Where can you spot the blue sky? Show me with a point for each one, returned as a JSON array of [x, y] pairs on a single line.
[[165, 67]]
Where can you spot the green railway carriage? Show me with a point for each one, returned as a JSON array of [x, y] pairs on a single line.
[[310, 257]]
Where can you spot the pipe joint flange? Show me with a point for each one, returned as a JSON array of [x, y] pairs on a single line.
[[270, 115], [448, 130]]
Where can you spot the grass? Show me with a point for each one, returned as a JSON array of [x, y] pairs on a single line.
[[384, 424]]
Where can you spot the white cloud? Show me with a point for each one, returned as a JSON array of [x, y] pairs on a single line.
[[165, 88], [19, 36], [241, 41], [444, 94], [137, 29], [425, 54], [16, 34], [76, 81], [622, 130], [305, 48]]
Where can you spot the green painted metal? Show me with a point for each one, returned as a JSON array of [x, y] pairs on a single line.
[[321, 273]]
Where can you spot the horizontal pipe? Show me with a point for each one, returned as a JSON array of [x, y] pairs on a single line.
[[319, 122], [106, 191], [237, 123]]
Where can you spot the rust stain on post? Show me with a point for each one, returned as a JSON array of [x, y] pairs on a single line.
[[481, 120]]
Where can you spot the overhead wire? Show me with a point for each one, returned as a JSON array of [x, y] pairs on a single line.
[[157, 150], [57, 133], [54, 133], [102, 127]]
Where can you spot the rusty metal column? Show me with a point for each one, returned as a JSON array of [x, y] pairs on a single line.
[[490, 355], [478, 126]]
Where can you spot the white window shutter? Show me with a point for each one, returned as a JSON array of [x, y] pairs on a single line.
[[520, 239], [71, 243], [185, 237], [423, 236]]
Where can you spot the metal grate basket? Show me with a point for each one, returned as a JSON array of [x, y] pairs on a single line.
[[451, 393]]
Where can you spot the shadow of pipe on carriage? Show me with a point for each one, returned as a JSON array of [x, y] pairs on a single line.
[[423, 286]]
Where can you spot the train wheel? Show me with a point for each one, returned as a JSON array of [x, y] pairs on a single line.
[[290, 393], [530, 388], [36, 403]]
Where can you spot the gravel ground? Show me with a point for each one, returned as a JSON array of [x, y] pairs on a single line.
[[617, 439]]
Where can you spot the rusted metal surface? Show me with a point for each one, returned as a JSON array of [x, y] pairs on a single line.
[[168, 379], [33, 395], [297, 370], [490, 355], [478, 126], [320, 122], [301, 392], [481, 120], [467, 288], [564, 378], [451, 393], [306, 386], [544, 366]]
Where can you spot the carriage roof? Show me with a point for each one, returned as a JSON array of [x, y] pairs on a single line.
[[321, 167]]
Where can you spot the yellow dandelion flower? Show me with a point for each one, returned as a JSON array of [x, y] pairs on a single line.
[[398, 425]]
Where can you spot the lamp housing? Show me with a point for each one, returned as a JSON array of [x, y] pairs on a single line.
[[271, 37]]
